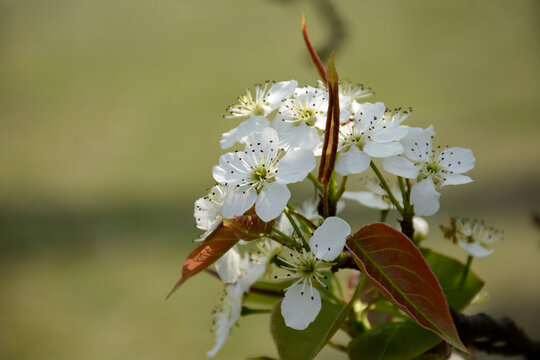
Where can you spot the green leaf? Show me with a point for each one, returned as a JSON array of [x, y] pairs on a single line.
[[305, 344], [449, 272], [393, 341], [398, 269]]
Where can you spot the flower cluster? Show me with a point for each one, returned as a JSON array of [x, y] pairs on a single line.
[[277, 143]]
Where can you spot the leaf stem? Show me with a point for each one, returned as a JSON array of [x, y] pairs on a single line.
[[341, 189], [315, 182], [466, 271], [387, 189], [384, 215], [404, 193], [296, 228]]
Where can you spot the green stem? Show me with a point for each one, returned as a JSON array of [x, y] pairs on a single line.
[[387, 189], [466, 271], [296, 228], [341, 189], [384, 215], [315, 182], [404, 193], [283, 239], [302, 219]]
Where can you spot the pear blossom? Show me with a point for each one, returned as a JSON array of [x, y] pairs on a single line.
[[259, 175], [350, 90], [375, 197], [302, 302], [207, 210], [369, 134], [431, 168], [301, 119], [256, 108], [474, 237], [421, 228], [229, 309]]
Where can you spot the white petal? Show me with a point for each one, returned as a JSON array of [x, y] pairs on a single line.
[[382, 150], [279, 91], [344, 106], [369, 112], [272, 200], [231, 169], [400, 166], [328, 240], [300, 306], [226, 317], [238, 134], [261, 144], [368, 199], [425, 198], [228, 266], [295, 166], [417, 144], [456, 179], [421, 226], [236, 202], [387, 132], [475, 249], [251, 272], [457, 159], [353, 161], [301, 137]]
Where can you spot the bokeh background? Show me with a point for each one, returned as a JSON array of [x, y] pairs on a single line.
[[110, 116]]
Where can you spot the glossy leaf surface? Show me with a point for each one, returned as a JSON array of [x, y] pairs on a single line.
[[392, 341], [398, 269], [209, 251], [449, 272], [303, 344]]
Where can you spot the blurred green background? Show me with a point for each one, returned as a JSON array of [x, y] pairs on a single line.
[[110, 116]]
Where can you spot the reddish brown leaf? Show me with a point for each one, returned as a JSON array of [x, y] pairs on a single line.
[[204, 255], [400, 272], [331, 135], [226, 235], [314, 56], [248, 227]]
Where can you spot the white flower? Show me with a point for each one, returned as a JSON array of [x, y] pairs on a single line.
[[302, 301], [265, 99], [254, 124], [370, 134], [431, 168], [474, 236], [300, 117], [350, 90], [353, 91], [228, 266], [259, 175], [256, 108], [421, 228], [226, 314], [207, 210], [228, 311], [376, 197]]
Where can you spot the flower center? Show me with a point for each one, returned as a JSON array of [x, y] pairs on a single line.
[[432, 169]]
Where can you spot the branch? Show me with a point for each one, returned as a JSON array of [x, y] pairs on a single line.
[[492, 336]]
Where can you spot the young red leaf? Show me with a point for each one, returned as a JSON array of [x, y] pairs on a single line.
[[312, 53], [204, 255], [331, 135], [400, 272], [248, 227], [226, 235]]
